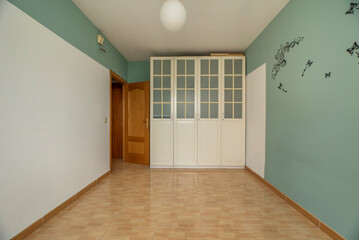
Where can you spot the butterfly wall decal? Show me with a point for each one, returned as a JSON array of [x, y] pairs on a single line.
[[280, 87], [352, 8], [308, 65], [352, 49], [280, 56]]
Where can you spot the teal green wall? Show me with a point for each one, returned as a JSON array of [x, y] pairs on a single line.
[[138, 71], [312, 136], [66, 20]]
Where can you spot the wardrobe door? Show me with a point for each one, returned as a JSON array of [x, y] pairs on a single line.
[[185, 125], [161, 112], [233, 122], [209, 123]]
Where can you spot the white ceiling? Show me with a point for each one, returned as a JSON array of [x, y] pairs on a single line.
[[134, 28]]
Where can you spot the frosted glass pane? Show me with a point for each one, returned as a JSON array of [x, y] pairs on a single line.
[[156, 110], [204, 110], [181, 82], [214, 110], [157, 96], [190, 67], [228, 110], [204, 82], [237, 95], [166, 82], [214, 96], [214, 66], [190, 110], [204, 66], [237, 66], [166, 110], [181, 95], [190, 96], [204, 96], [166, 96], [238, 81], [228, 66], [238, 110], [157, 67], [181, 67], [180, 110], [190, 82], [214, 82], [228, 82], [228, 96], [156, 82], [166, 67]]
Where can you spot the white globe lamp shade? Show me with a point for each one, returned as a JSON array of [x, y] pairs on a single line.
[[173, 15]]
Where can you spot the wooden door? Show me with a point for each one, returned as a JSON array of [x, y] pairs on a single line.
[[137, 132], [117, 122]]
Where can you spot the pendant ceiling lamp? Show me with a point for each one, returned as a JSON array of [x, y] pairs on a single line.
[[173, 15]]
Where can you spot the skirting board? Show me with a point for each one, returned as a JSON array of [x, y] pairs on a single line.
[[322, 226], [30, 229]]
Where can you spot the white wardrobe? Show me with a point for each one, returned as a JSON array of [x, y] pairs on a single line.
[[197, 112]]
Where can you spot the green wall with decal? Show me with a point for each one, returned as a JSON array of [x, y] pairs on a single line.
[[66, 20], [312, 130]]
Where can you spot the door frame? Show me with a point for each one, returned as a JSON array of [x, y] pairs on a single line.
[[114, 76]]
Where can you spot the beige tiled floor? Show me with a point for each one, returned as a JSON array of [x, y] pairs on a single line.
[[136, 202]]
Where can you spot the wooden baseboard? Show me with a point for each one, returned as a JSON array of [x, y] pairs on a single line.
[[322, 226], [58, 209], [27, 231], [30, 229]]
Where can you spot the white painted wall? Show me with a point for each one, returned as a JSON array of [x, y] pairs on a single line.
[[256, 120], [53, 139]]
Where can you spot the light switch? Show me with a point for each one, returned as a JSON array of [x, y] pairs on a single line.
[[105, 120]]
